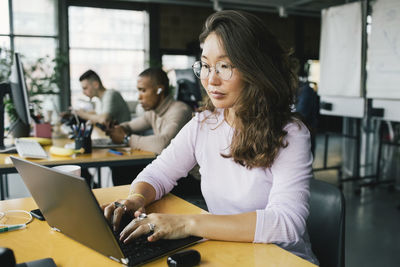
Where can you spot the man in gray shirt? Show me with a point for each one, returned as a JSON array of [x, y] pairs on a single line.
[[113, 106], [164, 115]]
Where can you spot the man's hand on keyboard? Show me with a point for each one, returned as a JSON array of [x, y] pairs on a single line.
[[117, 134]]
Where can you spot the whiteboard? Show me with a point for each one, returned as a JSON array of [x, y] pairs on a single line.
[[352, 107], [383, 55], [391, 109], [340, 51]]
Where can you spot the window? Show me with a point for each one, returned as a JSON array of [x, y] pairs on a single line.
[[171, 63], [314, 72], [31, 30], [177, 62], [34, 17], [113, 43], [4, 18]]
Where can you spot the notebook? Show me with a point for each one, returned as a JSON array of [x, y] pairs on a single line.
[[70, 207], [106, 143]]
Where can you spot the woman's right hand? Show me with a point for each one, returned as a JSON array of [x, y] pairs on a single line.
[[115, 210]]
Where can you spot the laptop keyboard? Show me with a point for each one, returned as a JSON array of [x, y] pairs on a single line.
[[140, 250], [101, 141], [105, 143]]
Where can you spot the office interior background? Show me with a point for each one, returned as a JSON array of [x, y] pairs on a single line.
[[119, 39]]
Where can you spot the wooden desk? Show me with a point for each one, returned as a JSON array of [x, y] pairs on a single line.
[[39, 241], [98, 158]]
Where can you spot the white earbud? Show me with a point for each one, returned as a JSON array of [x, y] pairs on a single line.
[[159, 90]]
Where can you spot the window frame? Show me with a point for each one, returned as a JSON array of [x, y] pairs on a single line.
[[11, 35], [151, 9]]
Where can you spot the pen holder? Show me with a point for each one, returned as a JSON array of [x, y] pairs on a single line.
[[85, 142]]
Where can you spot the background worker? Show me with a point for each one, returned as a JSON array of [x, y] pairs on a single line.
[[163, 115], [113, 106]]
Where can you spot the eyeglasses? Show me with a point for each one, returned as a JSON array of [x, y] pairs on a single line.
[[202, 70]]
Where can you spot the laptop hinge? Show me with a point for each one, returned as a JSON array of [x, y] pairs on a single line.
[[114, 259], [125, 261]]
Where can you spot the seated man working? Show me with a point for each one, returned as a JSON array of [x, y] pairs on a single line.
[[164, 115], [113, 106], [308, 106]]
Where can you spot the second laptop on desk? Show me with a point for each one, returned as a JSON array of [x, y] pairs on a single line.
[[106, 143], [57, 194]]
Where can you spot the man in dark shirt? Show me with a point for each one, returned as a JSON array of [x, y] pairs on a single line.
[[308, 106]]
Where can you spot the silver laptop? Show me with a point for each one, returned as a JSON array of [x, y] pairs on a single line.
[[70, 207]]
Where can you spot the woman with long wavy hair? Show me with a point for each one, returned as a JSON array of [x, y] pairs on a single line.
[[253, 152]]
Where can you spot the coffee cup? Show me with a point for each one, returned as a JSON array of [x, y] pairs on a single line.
[[70, 169]]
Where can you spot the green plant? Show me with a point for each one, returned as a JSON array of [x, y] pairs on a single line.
[[10, 109], [43, 77], [6, 61]]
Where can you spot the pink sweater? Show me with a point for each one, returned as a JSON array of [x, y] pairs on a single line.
[[278, 194]]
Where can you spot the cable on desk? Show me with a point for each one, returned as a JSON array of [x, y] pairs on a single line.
[[3, 214]]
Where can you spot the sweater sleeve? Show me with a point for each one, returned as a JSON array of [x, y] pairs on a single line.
[[172, 123], [173, 163], [283, 221], [137, 125]]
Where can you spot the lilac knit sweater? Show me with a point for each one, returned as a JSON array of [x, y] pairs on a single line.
[[278, 194]]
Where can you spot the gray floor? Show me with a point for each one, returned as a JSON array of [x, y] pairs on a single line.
[[372, 218]]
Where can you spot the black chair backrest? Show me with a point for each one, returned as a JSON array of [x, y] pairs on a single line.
[[189, 92], [326, 223]]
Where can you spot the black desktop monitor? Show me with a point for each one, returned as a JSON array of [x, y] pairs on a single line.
[[188, 88], [19, 94], [19, 91]]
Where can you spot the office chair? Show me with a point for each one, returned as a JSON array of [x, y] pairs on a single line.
[[326, 223], [188, 92]]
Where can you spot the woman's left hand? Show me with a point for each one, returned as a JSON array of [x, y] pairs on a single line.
[[166, 226]]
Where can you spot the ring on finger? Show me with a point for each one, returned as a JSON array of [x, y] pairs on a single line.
[[142, 216], [119, 205], [151, 226]]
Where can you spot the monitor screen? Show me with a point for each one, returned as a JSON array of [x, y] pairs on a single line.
[[19, 91]]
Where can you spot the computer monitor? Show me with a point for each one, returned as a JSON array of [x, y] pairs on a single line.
[[188, 88], [19, 93]]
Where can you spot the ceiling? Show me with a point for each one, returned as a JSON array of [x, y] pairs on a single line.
[[282, 7]]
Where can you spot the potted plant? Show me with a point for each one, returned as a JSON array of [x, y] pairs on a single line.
[[43, 78], [6, 61]]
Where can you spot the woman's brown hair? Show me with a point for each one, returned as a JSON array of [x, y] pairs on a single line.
[[264, 107]]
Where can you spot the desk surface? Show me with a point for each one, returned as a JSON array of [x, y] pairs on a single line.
[[39, 241], [98, 157]]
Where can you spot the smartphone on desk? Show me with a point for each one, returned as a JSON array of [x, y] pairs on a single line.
[[37, 214]]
